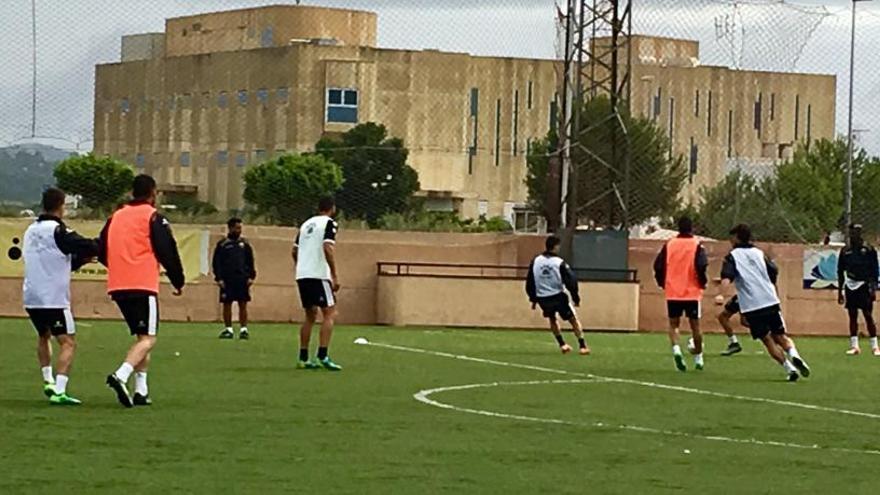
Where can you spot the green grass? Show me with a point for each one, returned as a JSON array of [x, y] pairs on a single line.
[[236, 417]]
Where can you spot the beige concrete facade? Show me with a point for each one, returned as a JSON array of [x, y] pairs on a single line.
[[223, 97]]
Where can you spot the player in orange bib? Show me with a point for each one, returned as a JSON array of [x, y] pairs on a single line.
[[680, 270]]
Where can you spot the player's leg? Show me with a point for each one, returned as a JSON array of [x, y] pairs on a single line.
[[578, 330], [557, 334], [243, 333], [227, 318], [63, 364], [305, 337], [853, 314], [778, 355], [142, 317], [44, 356], [870, 323], [788, 346], [329, 320], [141, 388], [724, 318], [675, 310], [696, 334]]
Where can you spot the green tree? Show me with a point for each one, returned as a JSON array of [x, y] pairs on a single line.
[[656, 178], [378, 180], [101, 181], [802, 201], [538, 172], [287, 189]]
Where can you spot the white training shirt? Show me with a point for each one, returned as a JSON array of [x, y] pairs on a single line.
[[754, 284], [46, 268], [313, 234], [547, 272]]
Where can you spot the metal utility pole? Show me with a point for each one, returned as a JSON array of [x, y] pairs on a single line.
[[850, 131], [34, 69], [597, 63]]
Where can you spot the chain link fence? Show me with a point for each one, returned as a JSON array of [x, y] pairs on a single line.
[[445, 114]]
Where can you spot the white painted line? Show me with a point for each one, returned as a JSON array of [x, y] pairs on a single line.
[[662, 386], [424, 396]]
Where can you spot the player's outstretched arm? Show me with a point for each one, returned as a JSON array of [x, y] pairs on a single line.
[[82, 250], [165, 247]]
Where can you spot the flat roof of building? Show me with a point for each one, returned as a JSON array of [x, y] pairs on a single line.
[[270, 7]]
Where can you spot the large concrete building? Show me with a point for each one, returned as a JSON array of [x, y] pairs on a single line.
[[215, 93]]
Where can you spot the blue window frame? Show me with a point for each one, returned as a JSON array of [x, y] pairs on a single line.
[[184, 159], [282, 94], [222, 158], [342, 105], [263, 96], [240, 159], [139, 160], [242, 97], [222, 100]]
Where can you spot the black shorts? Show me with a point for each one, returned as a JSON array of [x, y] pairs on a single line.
[[732, 305], [690, 309], [141, 313], [765, 321], [316, 293], [860, 299], [235, 291], [52, 321], [556, 305]]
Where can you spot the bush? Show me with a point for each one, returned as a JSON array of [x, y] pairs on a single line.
[[102, 182]]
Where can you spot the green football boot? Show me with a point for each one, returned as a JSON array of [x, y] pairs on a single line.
[[64, 400], [328, 364], [679, 362], [49, 389]]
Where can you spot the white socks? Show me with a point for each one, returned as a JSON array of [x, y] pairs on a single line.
[[47, 374], [61, 384], [676, 349], [124, 372], [793, 353], [789, 368], [874, 342], [733, 340], [229, 329], [243, 329], [854, 342], [698, 359], [140, 383]]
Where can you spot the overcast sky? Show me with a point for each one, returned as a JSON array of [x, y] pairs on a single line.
[[74, 35]]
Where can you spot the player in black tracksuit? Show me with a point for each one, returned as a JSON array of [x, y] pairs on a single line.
[[234, 272], [857, 274]]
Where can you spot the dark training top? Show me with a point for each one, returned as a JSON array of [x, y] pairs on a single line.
[[234, 260], [859, 264]]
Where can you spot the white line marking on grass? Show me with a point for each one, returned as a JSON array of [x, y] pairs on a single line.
[[424, 396], [662, 386]]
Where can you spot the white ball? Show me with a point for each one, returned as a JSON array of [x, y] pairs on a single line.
[[361, 341], [177, 354]]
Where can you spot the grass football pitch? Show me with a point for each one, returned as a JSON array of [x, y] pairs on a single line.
[[438, 411]]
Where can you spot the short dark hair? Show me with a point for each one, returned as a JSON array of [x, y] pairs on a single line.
[[326, 203], [232, 222], [685, 225], [552, 242], [742, 232], [53, 198], [143, 186]]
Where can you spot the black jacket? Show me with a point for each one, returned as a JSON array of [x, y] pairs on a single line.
[[70, 243], [234, 260], [164, 247], [858, 263]]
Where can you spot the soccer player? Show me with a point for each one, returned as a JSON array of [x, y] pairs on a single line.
[[314, 254], [729, 310], [135, 241], [755, 278], [857, 275], [51, 252], [549, 276], [680, 270], [235, 273]]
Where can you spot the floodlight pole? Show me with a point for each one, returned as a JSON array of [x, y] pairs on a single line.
[[850, 137]]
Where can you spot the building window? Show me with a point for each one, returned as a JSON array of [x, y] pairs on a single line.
[[260, 156], [263, 96], [554, 115], [773, 106], [529, 96], [797, 117], [709, 115], [222, 158], [658, 103], [695, 156], [240, 159], [809, 123], [342, 105], [515, 122], [184, 159], [267, 38], [206, 100], [172, 102], [222, 99], [759, 113], [730, 134], [671, 126], [124, 105], [242, 97], [474, 117], [282, 95], [140, 161], [498, 132], [697, 104]]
